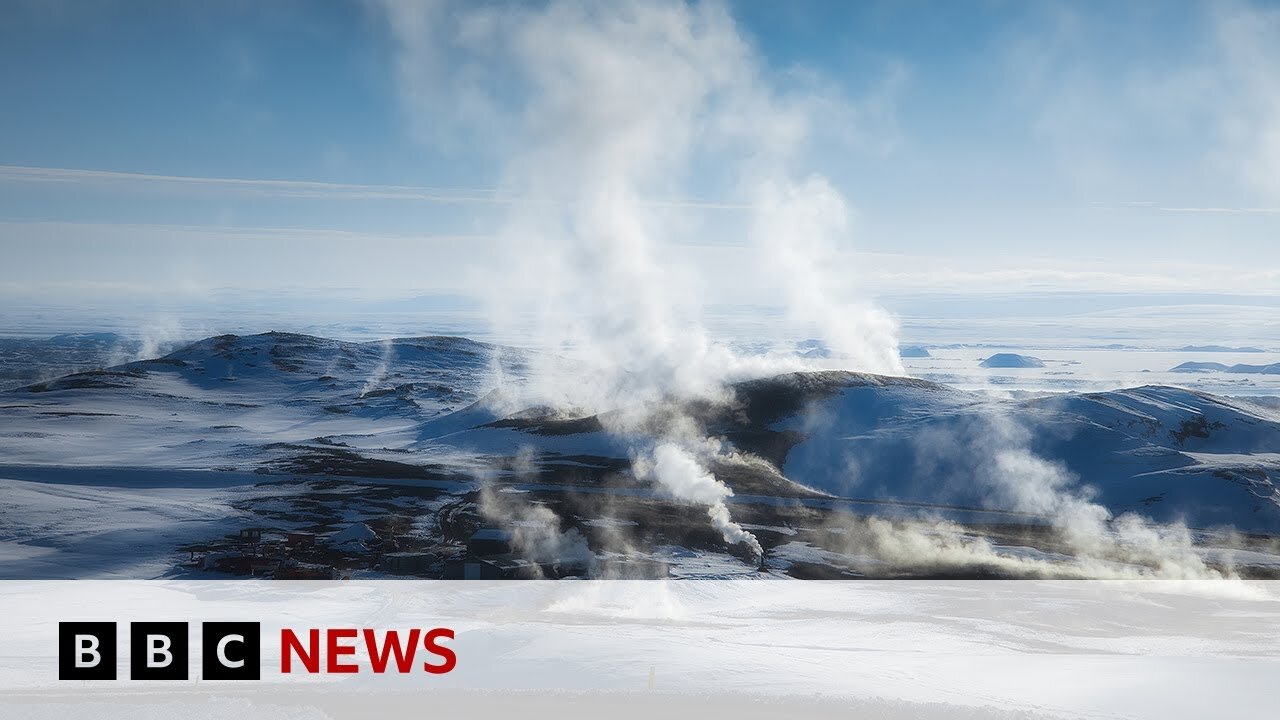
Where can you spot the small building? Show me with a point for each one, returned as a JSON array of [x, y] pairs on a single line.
[[624, 568], [406, 563], [250, 535], [494, 568], [488, 542], [240, 563], [231, 564], [304, 571], [299, 539], [197, 553]]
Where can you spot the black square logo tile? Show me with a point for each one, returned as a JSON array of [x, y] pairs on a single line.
[[158, 651], [86, 651], [231, 651]]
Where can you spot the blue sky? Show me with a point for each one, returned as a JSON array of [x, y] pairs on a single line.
[[1091, 147]]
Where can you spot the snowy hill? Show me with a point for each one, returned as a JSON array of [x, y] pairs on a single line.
[[1165, 453], [1012, 360], [256, 430], [223, 399]]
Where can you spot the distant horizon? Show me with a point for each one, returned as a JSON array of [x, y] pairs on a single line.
[[1032, 320]]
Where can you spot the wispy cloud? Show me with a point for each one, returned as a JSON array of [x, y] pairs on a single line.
[[898, 275], [1228, 210], [273, 188], [145, 182], [1210, 209]]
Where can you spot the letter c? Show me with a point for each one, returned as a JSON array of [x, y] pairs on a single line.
[[222, 651]]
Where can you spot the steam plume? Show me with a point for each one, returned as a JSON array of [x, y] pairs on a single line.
[[682, 477], [602, 113]]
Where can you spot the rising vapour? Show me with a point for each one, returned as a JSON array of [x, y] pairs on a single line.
[[991, 461], [1018, 479], [682, 477], [536, 530], [379, 374], [605, 116], [602, 120], [602, 113]]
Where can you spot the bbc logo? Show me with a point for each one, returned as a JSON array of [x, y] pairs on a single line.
[[159, 651]]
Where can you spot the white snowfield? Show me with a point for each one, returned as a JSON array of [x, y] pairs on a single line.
[[633, 649], [105, 473], [68, 530]]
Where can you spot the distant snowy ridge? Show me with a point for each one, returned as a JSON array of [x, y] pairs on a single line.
[[1240, 368], [1219, 349]]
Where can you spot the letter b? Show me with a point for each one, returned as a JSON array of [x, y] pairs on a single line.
[[86, 651], [158, 651]]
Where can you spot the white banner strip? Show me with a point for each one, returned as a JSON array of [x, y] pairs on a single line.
[[633, 648]]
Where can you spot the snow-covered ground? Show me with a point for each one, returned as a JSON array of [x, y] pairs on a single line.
[[108, 472], [724, 649], [67, 529], [1168, 453]]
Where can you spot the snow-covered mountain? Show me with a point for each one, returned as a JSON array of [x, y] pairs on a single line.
[[1162, 452], [230, 396], [412, 432]]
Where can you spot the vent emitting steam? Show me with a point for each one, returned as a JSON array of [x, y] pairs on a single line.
[[607, 113]]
